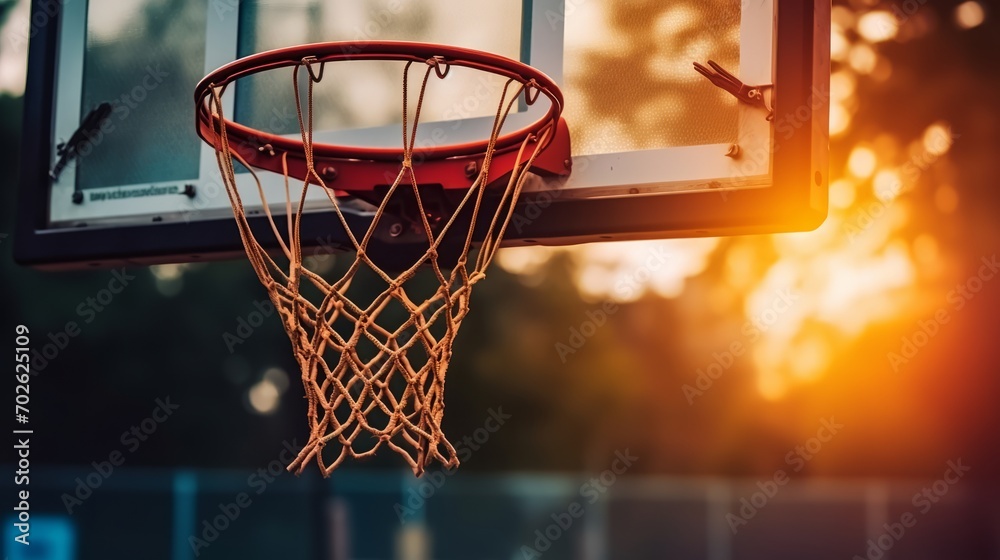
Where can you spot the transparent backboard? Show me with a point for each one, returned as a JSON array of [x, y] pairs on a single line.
[[644, 125]]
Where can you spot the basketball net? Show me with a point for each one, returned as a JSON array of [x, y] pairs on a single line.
[[372, 377]]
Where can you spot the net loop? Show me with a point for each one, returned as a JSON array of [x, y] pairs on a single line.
[[440, 66], [308, 61], [531, 92]]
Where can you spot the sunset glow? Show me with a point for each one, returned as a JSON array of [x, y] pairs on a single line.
[[860, 270]]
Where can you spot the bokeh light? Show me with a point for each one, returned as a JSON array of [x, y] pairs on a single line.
[[878, 26], [862, 162], [887, 185], [938, 139], [840, 120], [863, 59], [842, 194], [970, 14], [861, 269], [264, 397]]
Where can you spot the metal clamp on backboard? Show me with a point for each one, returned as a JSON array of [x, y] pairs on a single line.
[[70, 149], [751, 95]]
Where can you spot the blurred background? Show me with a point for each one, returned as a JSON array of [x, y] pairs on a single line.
[[821, 395]]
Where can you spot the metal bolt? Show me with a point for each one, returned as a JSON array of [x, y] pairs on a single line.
[[77, 197], [329, 173], [733, 151], [471, 169], [396, 229], [568, 163]]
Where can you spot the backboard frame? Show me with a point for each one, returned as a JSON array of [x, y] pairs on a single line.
[[796, 200]]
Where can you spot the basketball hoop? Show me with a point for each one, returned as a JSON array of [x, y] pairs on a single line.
[[374, 364]]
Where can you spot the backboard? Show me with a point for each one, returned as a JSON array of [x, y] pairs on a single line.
[[658, 150]]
